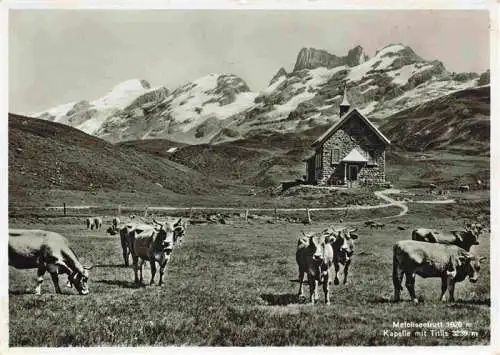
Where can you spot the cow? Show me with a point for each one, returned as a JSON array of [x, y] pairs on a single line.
[[88, 222], [368, 223], [464, 188], [464, 239], [343, 250], [47, 251], [96, 223], [377, 225], [115, 222], [314, 257], [125, 231], [449, 262], [153, 245], [180, 228]]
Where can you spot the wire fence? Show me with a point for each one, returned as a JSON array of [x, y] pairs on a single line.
[[214, 214]]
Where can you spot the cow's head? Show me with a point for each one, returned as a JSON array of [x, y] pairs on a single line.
[[343, 243], [165, 235], [317, 244], [470, 265], [80, 280], [179, 231]]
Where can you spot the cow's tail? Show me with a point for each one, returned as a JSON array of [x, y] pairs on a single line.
[[395, 269]]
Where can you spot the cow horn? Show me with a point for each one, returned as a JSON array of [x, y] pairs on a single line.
[[88, 267], [158, 223], [483, 258], [353, 230]]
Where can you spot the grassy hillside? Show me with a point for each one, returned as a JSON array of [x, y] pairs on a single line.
[[264, 159], [47, 156], [459, 122]]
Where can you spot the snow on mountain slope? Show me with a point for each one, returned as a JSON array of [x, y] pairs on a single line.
[[90, 116], [221, 107]]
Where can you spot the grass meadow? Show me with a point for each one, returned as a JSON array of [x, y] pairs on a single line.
[[235, 285]]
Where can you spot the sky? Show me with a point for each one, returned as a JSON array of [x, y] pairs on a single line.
[[60, 56]]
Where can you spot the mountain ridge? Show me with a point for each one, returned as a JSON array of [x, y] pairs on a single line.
[[221, 107]]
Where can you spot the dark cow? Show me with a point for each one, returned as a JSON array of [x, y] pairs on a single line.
[[115, 222], [125, 231], [449, 262], [343, 250], [47, 251], [464, 239], [464, 188], [88, 222], [153, 245], [314, 257], [96, 223]]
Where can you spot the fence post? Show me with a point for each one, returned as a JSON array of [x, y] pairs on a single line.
[[308, 216], [190, 212], [146, 212], [246, 215], [119, 210], [275, 214], [64, 206]]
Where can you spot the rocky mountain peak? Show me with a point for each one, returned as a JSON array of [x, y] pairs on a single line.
[[279, 74]]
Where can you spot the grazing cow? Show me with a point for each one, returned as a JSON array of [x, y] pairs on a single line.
[[314, 257], [88, 222], [115, 222], [464, 188], [343, 250], [464, 239], [377, 225], [96, 223], [449, 262], [369, 223], [153, 245], [47, 251]]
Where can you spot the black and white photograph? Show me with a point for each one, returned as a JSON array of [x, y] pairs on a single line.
[[232, 175]]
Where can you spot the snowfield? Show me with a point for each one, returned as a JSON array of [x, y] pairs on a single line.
[[196, 111]]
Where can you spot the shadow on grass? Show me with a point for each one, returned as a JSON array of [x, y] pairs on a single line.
[[282, 300], [111, 265], [121, 283]]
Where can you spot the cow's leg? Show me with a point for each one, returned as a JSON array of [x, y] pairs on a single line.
[[312, 288], [301, 280], [162, 271], [346, 270], [397, 280], [451, 289], [337, 268], [55, 280], [40, 272], [444, 287], [326, 288], [152, 263], [141, 264], [135, 260], [410, 286]]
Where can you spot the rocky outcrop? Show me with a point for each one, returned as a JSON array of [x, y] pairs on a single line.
[[311, 58], [279, 74]]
